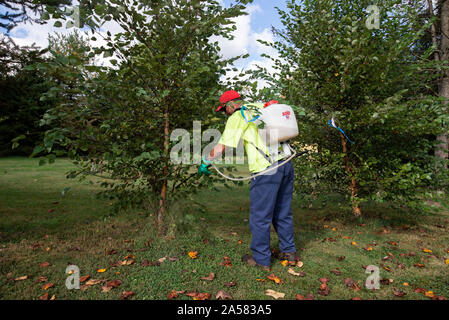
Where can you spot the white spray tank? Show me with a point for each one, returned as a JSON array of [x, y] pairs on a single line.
[[279, 126]]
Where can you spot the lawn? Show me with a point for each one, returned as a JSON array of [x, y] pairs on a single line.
[[42, 232]]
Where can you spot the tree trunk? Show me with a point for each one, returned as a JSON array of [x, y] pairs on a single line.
[[442, 54], [163, 194], [353, 185]]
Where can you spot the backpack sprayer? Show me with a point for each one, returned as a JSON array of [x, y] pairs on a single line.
[[279, 127]]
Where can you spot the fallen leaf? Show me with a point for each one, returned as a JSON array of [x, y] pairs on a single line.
[[369, 249], [113, 283], [324, 289], [84, 278], [301, 297], [292, 272], [163, 259], [399, 293], [429, 294], [93, 282], [126, 295], [230, 284], [193, 254], [299, 264], [101, 270], [44, 296], [353, 243], [427, 250], [47, 286], [147, 263], [42, 279], [198, 295], [275, 278], [418, 265], [274, 294], [223, 295], [44, 264], [210, 277], [446, 261], [240, 242], [386, 282], [105, 289], [341, 258], [226, 261], [419, 290], [385, 267], [284, 263], [202, 296], [174, 294], [21, 278], [127, 262], [351, 284], [336, 272]]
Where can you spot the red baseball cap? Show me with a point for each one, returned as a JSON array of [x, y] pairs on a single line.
[[269, 103], [226, 97]]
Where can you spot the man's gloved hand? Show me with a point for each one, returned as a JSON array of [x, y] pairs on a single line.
[[203, 169]]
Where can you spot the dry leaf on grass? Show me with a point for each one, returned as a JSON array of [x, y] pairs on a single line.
[[21, 278], [324, 289], [210, 277], [198, 295], [399, 293], [126, 262], [193, 254], [44, 264], [223, 295], [174, 294], [274, 294], [147, 263], [308, 297], [336, 272], [275, 278], [294, 273], [47, 286], [93, 282], [230, 284], [226, 262], [44, 296], [126, 295], [351, 284]]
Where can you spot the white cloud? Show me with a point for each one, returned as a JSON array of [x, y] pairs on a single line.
[[242, 35]]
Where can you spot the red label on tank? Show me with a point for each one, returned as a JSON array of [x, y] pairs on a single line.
[[286, 114]]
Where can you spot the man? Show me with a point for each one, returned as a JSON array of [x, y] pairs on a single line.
[[270, 194]]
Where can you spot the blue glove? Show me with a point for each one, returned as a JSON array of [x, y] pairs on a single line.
[[203, 169]]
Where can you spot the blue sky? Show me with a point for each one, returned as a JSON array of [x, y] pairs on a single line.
[[257, 25]]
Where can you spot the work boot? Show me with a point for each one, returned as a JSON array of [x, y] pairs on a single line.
[[250, 260], [291, 257]]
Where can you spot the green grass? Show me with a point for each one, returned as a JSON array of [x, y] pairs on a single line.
[[78, 230]]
